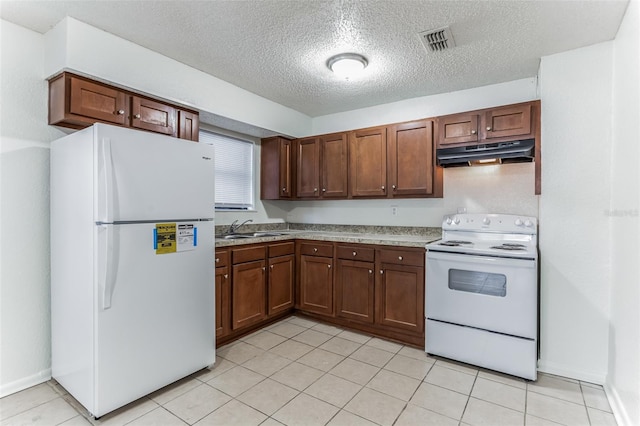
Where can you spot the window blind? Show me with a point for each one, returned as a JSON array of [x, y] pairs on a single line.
[[233, 171]]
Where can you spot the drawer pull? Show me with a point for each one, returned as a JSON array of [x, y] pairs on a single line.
[[217, 260], [399, 257], [355, 253], [370, 271], [226, 276], [315, 250], [264, 269], [120, 112], [136, 116], [381, 271], [271, 267], [329, 266]]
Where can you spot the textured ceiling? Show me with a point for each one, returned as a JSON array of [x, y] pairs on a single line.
[[278, 49]]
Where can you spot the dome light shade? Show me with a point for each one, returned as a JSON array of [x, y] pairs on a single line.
[[347, 64]]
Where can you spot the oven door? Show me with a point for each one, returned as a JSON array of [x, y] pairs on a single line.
[[490, 293]]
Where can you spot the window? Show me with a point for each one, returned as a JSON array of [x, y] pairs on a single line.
[[233, 171]]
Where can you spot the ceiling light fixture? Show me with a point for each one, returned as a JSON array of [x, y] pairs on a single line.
[[347, 64]]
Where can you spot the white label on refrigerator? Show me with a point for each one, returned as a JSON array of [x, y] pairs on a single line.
[[187, 237]]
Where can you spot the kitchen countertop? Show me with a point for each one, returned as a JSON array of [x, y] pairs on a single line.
[[390, 236]]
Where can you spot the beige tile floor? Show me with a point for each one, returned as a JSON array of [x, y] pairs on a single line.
[[300, 372]]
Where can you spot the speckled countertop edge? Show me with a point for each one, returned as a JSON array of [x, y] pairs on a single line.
[[375, 235]]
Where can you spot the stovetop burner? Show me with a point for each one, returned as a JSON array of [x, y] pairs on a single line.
[[509, 246], [453, 243]]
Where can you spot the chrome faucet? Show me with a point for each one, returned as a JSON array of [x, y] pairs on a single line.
[[234, 227]]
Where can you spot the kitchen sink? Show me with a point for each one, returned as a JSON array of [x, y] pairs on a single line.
[[239, 236]]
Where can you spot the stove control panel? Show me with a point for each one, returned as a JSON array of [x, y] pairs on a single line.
[[491, 222]]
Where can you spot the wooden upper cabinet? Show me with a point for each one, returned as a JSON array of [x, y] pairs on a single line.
[[188, 125], [78, 102], [458, 128], [368, 162], [154, 116], [410, 159], [275, 168], [334, 150], [508, 121], [483, 126], [308, 168]]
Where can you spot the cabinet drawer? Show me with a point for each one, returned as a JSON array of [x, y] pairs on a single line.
[[356, 253], [248, 254], [282, 249], [402, 257], [221, 258], [313, 249]]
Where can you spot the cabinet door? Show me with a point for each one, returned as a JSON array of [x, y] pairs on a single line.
[[222, 302], [153, 116], [280, 291], [96, 101], [308, 168], [275, 168], [508, 121], [457, 129], [284, 168], [410, 155], [188, 125], [355, 290], [316, 284], [248, 294], [400, 297], [368, 162], [334, 165]]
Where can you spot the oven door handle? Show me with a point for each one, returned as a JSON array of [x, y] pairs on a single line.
[[482, 260]]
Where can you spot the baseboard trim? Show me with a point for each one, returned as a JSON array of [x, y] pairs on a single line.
[[562, 370], [24, 383], [619, 412]]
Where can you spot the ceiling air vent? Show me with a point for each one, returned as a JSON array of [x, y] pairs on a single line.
[[437, 40]]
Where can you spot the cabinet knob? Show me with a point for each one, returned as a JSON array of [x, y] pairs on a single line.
[[315, 189], [381, 271], [382, 187], [488, 128], [271, 267], [226, 276], [284, 189], [399, 257], [355, 253], [473, 132], [329, 266], [264, 269], [217, 260], [136, 116], [370, 271], [393, 187], [324, 189], [120, 112]]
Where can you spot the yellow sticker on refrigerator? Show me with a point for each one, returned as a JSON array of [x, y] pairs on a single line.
[[172, 237], [165, 238]]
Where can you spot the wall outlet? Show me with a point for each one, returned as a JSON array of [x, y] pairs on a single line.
[[394, 210]]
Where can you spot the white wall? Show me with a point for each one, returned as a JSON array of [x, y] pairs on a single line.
[[77, 46], [25, 343], [502, 189], [576, 98], [623, 378]]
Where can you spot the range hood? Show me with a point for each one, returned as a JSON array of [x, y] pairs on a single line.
[[495, 153]]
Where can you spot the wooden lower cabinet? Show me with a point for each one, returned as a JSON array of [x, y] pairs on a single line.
[[355, 284], [281, 284], [248, 295], [400, 297], [222, 302], [316, 284]]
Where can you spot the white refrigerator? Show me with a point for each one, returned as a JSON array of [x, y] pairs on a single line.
[[132, 263]]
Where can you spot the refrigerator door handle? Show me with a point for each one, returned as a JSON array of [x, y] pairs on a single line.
[[111, 248], [109, 187]]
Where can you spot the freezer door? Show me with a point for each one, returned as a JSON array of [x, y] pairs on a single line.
[[144, 176], [155, 313]]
